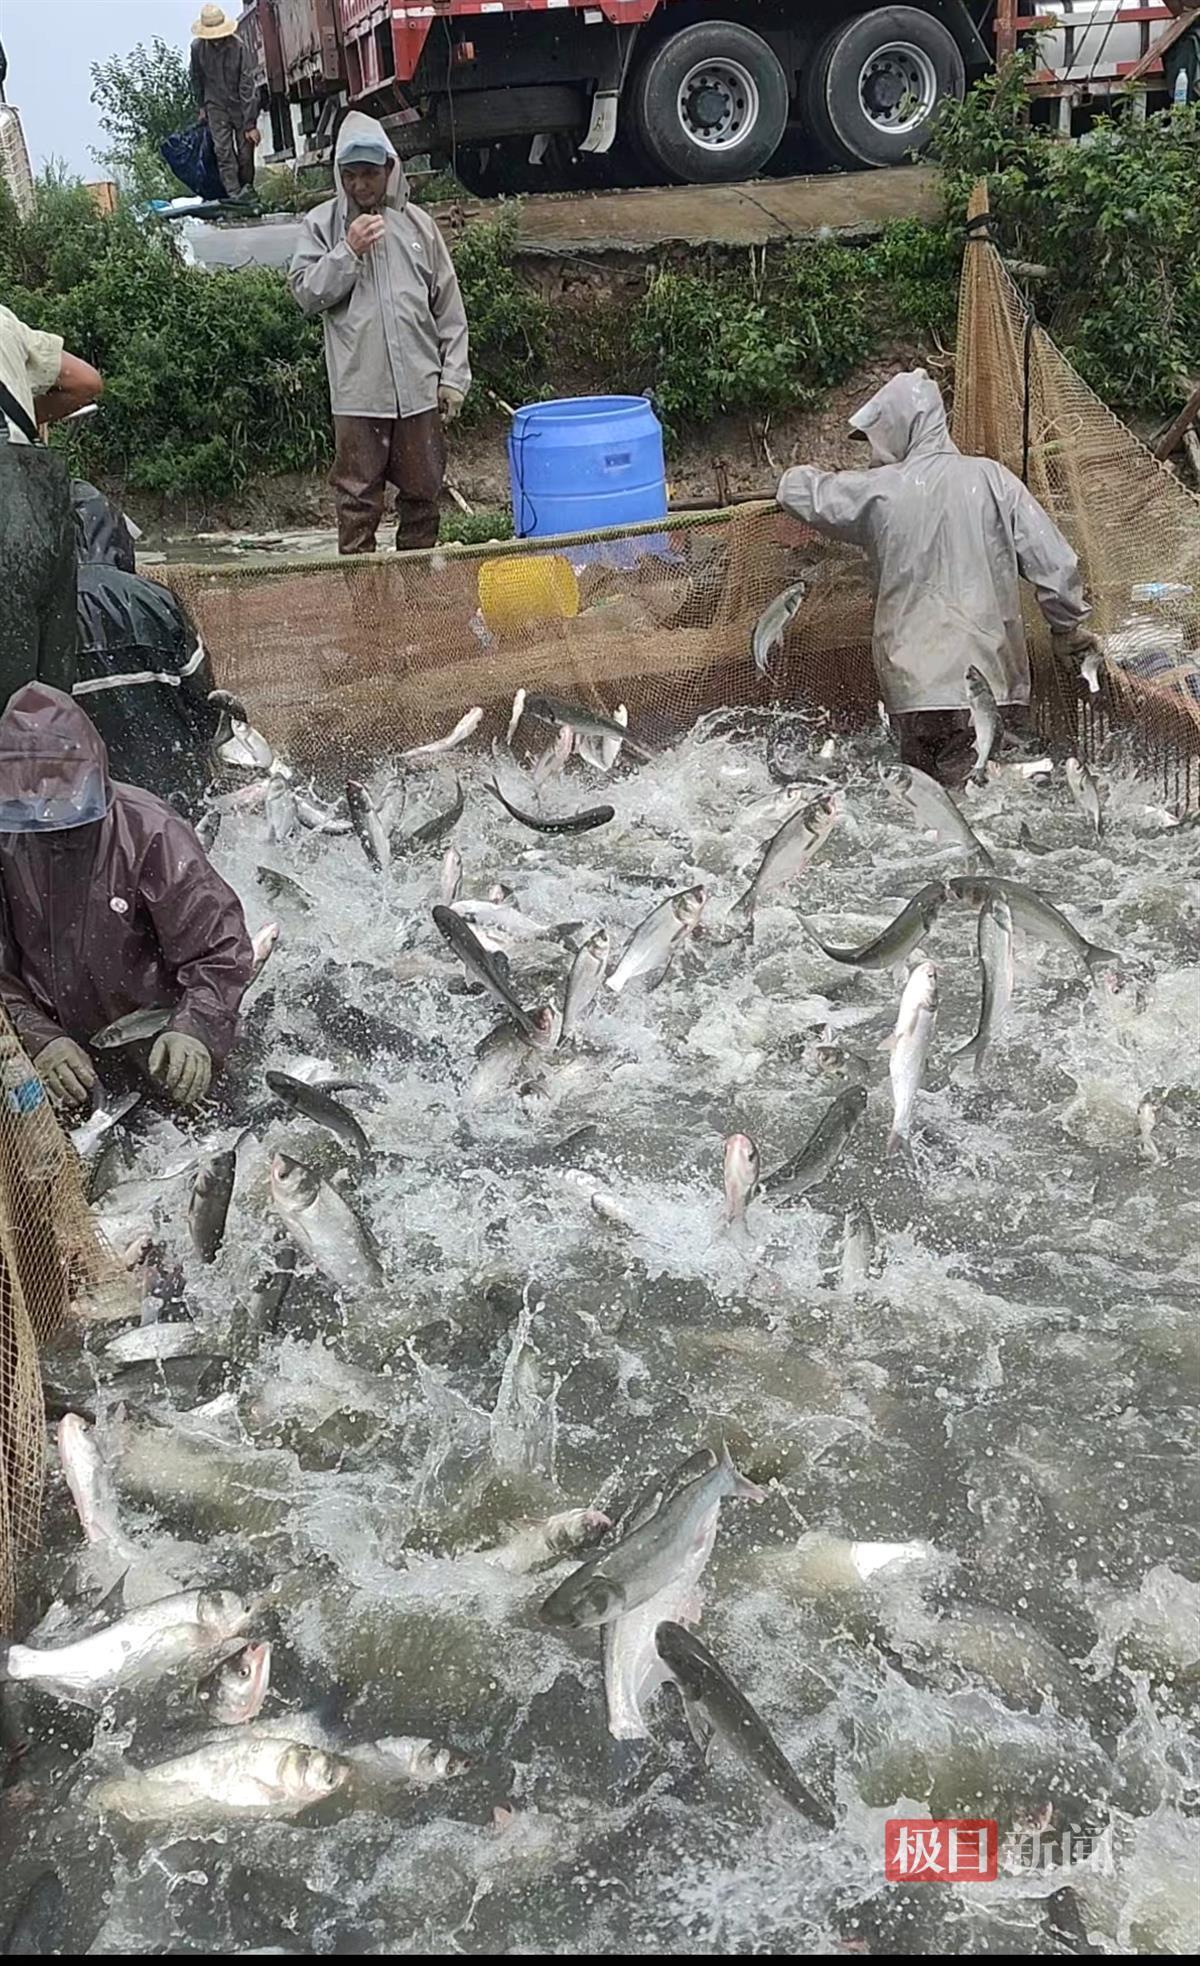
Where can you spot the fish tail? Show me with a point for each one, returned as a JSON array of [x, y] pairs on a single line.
[[897, 1142], [739, 1485]]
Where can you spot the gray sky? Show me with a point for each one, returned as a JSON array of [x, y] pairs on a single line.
[[51, 45]]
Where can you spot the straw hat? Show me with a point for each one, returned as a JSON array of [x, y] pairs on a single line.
[[213, 25]]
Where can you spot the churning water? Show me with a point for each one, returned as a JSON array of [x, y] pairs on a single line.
[[1010, 1395]]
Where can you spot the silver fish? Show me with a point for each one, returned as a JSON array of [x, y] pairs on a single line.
[[208, 827], [90, 1482], [985, 716], [157, 1342], [434, 830], [583, 983], [208, 1208], [368, 824], [792, 849], [649, 1557], [933, 807], [1086, 793], [514, 717], [715, 1707], [653, 942], [585, 723], [283, 814], [860, 1251], [234, 1694], [773, 622], [1090, 668], [134, 1028], [741, 1179], [281, 887], [245, 748], [466, 725], [995, 941], [1036, 916], [87, 1137], [316, 1103], [408, 1758], [323, 1226], [824, 1147], [910, 1048], [898, 939], [482, 966], [451, 878], [239, 1777], [633, 1670], [178, 1632], [263, 946], [540, 1543]]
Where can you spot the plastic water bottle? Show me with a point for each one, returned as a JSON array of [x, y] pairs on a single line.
[[1180, 96], [25, 1113], [1161, 590]]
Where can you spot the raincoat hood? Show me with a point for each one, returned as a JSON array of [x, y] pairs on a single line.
[[101, 530], [53, 764], [355, 128], [904, 419]]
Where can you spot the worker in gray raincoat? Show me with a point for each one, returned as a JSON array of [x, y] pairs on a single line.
[[948, 539], [378, 272]]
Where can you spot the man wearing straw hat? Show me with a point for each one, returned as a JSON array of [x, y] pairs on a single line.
[[226, 97]]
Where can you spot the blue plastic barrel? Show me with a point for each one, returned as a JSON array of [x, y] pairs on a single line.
[[585, 462]]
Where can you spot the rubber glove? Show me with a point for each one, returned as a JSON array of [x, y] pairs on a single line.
[[1067, 643], [66, 1071], [182, 1066], [450, 402]]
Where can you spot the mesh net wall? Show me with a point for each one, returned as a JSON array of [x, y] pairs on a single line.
[[50, 1254], [1128, 517], [339, 660]]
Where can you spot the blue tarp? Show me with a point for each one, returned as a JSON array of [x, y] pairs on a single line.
[[190, 154]]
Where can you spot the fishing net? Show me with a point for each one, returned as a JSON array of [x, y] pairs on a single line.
[[51, 1254], [338, 661], [1129, 518]]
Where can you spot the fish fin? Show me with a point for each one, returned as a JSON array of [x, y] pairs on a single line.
[[700, 1728], [885, 1044], [748, 1490]]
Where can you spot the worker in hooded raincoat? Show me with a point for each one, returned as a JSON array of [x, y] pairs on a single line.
[[144, 676], [107, 905], [377, 270], [948, 539]]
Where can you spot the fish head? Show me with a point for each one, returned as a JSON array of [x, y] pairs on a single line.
[[222, 1613], [73, 1436], [542, 1026], [574, 1529], [923, 985], [830, 806], [291, 1182], [741, 1162], [308, 1775], [235, 1692], [689, 906], [597, 946], [572, 1606], [676, 1649]]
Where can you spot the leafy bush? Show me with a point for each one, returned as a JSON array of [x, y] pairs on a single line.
[[140, 99], [510, 324], [1114, 217]]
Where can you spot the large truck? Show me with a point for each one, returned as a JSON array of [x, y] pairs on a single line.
[[526, 94]]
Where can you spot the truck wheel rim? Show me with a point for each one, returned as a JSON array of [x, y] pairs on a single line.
[[717, 104], [897, 88]]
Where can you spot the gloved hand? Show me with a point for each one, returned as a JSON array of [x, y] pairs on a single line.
[[66, 1071], [450, 402], [1068, 644], [182, 1066]]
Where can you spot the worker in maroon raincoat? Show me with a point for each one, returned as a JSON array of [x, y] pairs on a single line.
[[107, 905]]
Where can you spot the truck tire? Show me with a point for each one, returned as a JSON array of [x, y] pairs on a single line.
[[710, 104], [874, 88]]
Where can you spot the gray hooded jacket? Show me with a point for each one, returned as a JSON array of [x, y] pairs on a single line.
[[395, 326], [948, 538]]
